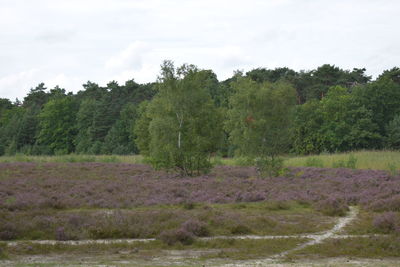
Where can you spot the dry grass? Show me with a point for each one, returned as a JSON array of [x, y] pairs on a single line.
[[374, 160]]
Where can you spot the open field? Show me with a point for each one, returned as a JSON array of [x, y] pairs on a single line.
[[73, 158], [373, 160], [192, 221]]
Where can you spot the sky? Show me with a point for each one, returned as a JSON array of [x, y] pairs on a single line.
[[69, 42]]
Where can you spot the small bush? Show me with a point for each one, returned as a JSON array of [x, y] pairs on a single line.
[[386, 222], [388, 204], [8, 232], [241, 161], [332, 207], [270, 166], [2, 253], [189, 205], [350, 163], [217, 161], [241, 229], [102, 232], [171, 237], [393, 169], [314, 162], [277, 205], [339, 164], [62, 234], [110, 159], [196, 227]]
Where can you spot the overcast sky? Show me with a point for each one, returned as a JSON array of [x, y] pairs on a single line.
[[68, 42]]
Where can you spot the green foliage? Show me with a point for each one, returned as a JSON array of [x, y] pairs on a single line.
[[270, 166], [259, 121], [306, 135], [336, 123], [57, 125], [338, 110], [351, 163], [393, 133], [183, 123], [141, 129], [393, 170], [382, 97], [314, 162], [120, 138]]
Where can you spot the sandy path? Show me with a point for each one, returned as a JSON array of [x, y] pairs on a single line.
[[315, 238], [182, 258]]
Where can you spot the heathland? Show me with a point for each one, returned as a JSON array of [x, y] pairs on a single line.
[[196, 220]]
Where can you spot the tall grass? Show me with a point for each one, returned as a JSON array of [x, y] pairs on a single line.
[[375, 160], [133, 159]]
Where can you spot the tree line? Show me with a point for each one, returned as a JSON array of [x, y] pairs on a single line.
[[187, 115]]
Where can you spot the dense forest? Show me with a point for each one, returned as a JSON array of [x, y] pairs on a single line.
[[327, 109]]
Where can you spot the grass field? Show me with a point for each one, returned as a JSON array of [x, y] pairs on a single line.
[[74, 158], [373, 160]]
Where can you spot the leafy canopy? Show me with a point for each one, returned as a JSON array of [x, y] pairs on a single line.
[[180, 127]]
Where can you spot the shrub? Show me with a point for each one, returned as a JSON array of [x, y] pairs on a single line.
[[339, 164], [8, 232], [171, 237], [314, 162], [62, 234], [189, 205], [332, 207], [386, 222], [387, 204], [277, 205], [393, 169], [196, 227], [106, 231], [270, 166], [241, 229], [242, 161], [350, 163], [2, 253], [393, 133]]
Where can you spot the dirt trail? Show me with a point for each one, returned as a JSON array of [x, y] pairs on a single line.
[[188, 257], [315, 238]]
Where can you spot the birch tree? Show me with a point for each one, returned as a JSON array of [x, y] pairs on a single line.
[[184, 126], [259, 120]]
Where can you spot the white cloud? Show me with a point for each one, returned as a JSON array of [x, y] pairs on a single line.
[[10, 84], [73, 41], [130, 57]]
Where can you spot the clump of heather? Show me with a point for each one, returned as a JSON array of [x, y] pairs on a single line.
[[60, 234], [8, 231], [332, 206], [387, 222], [196, 227], [241, 229], [171, 237], [391, 203]]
